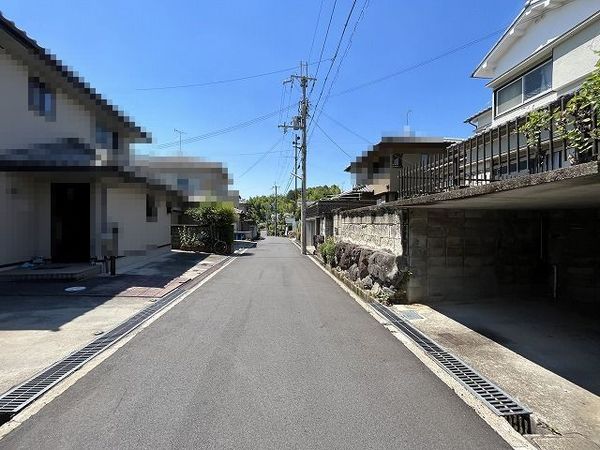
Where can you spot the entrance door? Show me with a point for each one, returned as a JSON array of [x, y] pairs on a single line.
[[70, 222]]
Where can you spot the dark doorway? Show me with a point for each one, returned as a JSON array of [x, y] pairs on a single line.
[[70, 222]]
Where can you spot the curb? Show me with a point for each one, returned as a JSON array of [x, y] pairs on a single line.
[[180, 293], [497, 423]]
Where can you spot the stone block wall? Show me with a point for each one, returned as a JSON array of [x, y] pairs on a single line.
[[466, 254], [455, 254], [377, 231], [573, 248]]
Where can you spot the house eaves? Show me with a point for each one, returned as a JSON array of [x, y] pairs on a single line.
[[477, 114], [532, 10], [77, 83], [542, 53]]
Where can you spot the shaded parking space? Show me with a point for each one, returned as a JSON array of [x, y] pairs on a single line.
[[543, 354], [554, 336]]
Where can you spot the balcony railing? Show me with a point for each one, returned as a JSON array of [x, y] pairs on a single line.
[[493, 155]]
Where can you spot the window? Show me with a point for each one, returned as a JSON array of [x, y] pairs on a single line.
[[537, 81], [424, 158], [533, 83], [107, 139], [42, 100], [397, 160], [151, 210], [183, 184]]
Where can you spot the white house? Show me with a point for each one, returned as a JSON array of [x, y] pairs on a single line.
[[67, 191], [547, 51]]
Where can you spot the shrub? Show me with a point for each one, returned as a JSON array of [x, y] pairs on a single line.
[[327, 249], [189, 239], [213, 215]]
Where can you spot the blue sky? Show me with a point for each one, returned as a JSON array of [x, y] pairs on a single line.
[[122, 47]]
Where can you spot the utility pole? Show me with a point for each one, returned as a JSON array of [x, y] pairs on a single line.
[[276, 212], [180, 133], [296, 146], [299, 122]]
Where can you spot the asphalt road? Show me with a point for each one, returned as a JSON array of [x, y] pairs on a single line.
[[270, 353]]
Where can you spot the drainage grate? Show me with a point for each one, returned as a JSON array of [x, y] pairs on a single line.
[[495, 398], [410, 315], [14, 400]]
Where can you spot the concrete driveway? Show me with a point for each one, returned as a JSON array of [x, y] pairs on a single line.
[[41, 323]]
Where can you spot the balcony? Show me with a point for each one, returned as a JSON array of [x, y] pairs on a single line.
[[502, 153]]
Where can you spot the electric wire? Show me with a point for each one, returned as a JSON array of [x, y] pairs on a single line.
[[264, 154], [316, 28], [349, 130], [221, 131], [332, 141], [229, 80], [333, 58], [343, 57], [324, 43]]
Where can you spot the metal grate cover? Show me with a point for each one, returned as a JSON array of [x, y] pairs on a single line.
[[495, 398], [410, 315], [14, 400]]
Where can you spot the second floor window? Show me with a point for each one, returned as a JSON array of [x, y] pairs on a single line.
[[183, 184], [533, 83], [107, 139], [42, 100]]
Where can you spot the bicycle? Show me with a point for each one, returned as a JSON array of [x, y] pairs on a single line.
[[213, 244]]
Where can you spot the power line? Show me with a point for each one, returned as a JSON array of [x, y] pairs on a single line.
[[341, 125], [323, 46], [332, 141], [229, 80], [273, 147], [335, 54], [417, 65], [409, 68], [343, 57], [316, 28], [222, 130]]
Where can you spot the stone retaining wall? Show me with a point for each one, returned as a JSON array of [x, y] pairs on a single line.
[[375, 231], [455, 254]]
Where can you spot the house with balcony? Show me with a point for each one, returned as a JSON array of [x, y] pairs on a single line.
[[511, 212], [537, 65], [546, 53], [68, 189]]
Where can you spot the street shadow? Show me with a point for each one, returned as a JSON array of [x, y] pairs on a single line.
[[46, 305], [556, 337]]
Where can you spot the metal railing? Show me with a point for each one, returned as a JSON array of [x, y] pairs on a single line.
[[494, 154]]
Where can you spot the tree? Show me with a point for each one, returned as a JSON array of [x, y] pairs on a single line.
[[213, 214], [315, 193]]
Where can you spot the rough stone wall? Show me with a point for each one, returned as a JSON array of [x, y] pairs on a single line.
[[378, 232]]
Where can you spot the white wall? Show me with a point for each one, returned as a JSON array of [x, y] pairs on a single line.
[[126, 209], [21, 127], [18, 226], [575, 58]]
